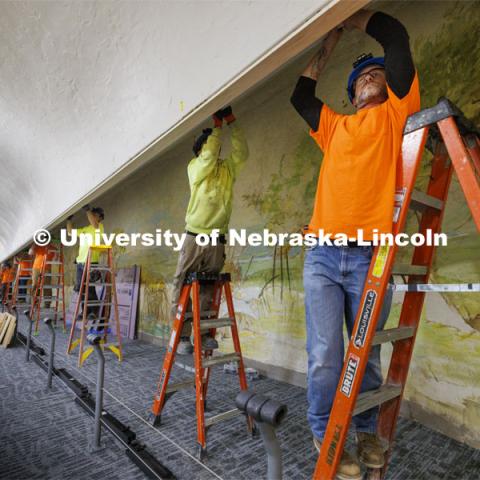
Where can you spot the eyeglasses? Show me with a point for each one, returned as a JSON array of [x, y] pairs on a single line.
[[374, 73]]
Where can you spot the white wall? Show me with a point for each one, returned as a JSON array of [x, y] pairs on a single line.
[[87, 85]]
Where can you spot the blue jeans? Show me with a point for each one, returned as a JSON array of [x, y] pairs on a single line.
[[333, 279]]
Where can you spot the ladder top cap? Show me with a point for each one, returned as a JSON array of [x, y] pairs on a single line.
[[100, 247], [442, 110]]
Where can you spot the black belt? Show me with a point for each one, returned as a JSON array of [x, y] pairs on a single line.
[[354, 243], [221, 237]]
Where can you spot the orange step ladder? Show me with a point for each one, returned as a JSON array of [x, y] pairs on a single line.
[[97, 275], [456, 147], [52, 278], [203, 322]]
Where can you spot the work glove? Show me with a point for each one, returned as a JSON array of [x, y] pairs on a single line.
[[228, 115], [218, 118]]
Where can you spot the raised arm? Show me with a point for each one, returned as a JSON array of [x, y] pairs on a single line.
[[303, 97], [393, 37], [202, 165], [237, 158]]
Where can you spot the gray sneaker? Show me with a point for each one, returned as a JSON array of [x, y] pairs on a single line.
[[185, 347], [209, 343]]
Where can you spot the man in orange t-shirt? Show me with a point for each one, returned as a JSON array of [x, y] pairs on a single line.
[[355, 192]]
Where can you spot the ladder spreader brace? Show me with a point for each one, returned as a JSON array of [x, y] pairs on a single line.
[[456, 147]]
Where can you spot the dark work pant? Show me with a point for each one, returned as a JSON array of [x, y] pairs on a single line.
[[22, 290], [3, 292], [92, 293]]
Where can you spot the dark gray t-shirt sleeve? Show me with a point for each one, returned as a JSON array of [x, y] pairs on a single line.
[[393, 37]]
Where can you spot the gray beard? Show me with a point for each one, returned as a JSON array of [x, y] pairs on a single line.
[[370, 94]]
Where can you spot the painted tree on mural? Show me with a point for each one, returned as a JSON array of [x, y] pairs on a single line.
[[449, 65], [286, 203]]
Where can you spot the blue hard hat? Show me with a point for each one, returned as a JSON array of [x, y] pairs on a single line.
[[361, 62]]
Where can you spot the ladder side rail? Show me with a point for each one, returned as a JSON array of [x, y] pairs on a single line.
[[13, 300], [62, 282], [113, 295], [473, 146], [55, 286], [41, 281], [215, 307], [439, 184], [463, 167], [236, 340], [368, 314], [197, 352], [77, 309], [86, 271]]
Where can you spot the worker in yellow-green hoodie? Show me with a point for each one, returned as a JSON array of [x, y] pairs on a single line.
[[211, 193]]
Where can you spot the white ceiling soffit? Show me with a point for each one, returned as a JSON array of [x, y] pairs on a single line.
[[86, 85]]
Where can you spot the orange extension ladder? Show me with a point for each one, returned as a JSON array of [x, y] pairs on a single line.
[[105, 274], [55, 282], [22, 273], [203, 322], [456, 147]]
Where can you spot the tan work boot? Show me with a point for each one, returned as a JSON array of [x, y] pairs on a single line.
[[370, 450], [348, 468]]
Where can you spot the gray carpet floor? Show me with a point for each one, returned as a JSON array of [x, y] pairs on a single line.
[[45, 435]]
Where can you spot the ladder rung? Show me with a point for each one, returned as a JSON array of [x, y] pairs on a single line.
[[216, 323], [229, 357], [393, 335], [95, 284], [185, 362], [53, 286], [437, 287], [409, 269], [25, 278], [373, 398], [53, 262], [420, 200], [99, 267], [206, 314], [98, 304], [222, 416], [53, 274], [174, 387]]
